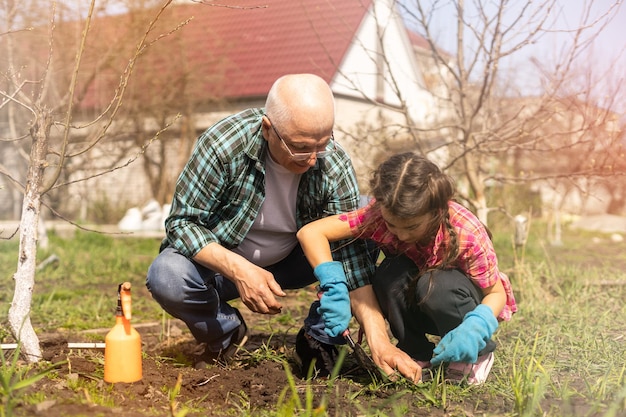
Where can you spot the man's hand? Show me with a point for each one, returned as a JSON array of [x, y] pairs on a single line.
[[258, 288], [335, 299], [470, 337]]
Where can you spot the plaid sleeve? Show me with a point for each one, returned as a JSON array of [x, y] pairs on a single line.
[[336, 193], [478, 257], [192, 206], [358, 262], [205, 208]]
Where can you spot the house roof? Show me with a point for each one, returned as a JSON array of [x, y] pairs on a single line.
[[221, 52], [262, 40]]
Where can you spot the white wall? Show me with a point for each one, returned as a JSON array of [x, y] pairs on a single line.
[[382, 31]]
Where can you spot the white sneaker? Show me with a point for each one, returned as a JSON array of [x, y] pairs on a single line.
[[473, 373]]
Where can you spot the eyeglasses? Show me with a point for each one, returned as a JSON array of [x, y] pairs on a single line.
[[305, 156]]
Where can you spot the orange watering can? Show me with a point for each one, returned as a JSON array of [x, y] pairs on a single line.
[[122, 351]]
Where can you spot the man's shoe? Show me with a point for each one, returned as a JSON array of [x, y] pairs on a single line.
[[310, 350], [224, 356], [472, 373]]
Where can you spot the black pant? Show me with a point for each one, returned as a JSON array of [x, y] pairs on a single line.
[[441, 300]]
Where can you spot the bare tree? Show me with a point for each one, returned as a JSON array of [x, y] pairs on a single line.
[[169, 80], [489, 128], [50, 90]]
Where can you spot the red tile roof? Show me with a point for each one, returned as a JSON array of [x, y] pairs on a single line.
[[233, 51], [264, 39], [223, 52]]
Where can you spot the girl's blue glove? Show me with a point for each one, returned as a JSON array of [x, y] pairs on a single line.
[[334, 298], [470, 337]]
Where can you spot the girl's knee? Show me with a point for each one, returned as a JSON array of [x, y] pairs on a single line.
[[440, 290]]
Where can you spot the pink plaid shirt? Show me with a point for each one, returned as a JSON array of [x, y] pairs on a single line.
[[477, 257]]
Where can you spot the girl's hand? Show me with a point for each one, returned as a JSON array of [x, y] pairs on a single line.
[[470, 337], [392, 361], [385, 354], [334, 297]]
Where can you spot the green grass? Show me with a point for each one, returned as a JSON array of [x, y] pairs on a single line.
[[86, 277], [15, 377], [563, 353], [566, 343]]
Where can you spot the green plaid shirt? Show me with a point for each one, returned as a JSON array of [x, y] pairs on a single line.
[[220, 191]]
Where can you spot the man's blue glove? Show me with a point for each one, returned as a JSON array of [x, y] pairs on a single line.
[[335, 300], [470, 337]]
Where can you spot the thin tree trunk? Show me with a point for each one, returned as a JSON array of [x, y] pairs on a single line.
[[19, 313]]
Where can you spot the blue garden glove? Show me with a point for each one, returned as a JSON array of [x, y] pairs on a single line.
[[470, 337], [334, 298]]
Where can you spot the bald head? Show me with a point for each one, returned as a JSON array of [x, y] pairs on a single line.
[[302, 102]]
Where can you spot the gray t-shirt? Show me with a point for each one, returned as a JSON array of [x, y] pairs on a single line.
[[273, 233]]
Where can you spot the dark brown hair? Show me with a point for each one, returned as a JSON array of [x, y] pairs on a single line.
[[409, 185]]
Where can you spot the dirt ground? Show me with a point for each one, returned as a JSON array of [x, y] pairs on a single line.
[[250, 385], [218, 389]]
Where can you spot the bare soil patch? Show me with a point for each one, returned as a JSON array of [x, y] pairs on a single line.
[[253, 384]]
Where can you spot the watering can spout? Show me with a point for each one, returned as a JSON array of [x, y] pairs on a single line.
[[125, 300]]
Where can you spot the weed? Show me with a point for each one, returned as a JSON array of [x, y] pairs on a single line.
[[618, 405], [265, 352], [436, 389], [14, 377], [290, 404], [34, 398], [173, 401], [528, 379]]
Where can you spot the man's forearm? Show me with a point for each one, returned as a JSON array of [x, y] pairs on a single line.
[[256, 286], [219, 259]]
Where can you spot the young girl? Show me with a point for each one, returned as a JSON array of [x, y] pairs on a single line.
[[439, 275]]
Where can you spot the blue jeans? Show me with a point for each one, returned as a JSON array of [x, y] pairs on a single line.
[[199, 296], [439, 304]]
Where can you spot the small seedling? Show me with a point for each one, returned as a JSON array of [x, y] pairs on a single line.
[[15, 377]]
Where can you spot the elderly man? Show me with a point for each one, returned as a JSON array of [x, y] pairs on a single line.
[[252, 181]]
